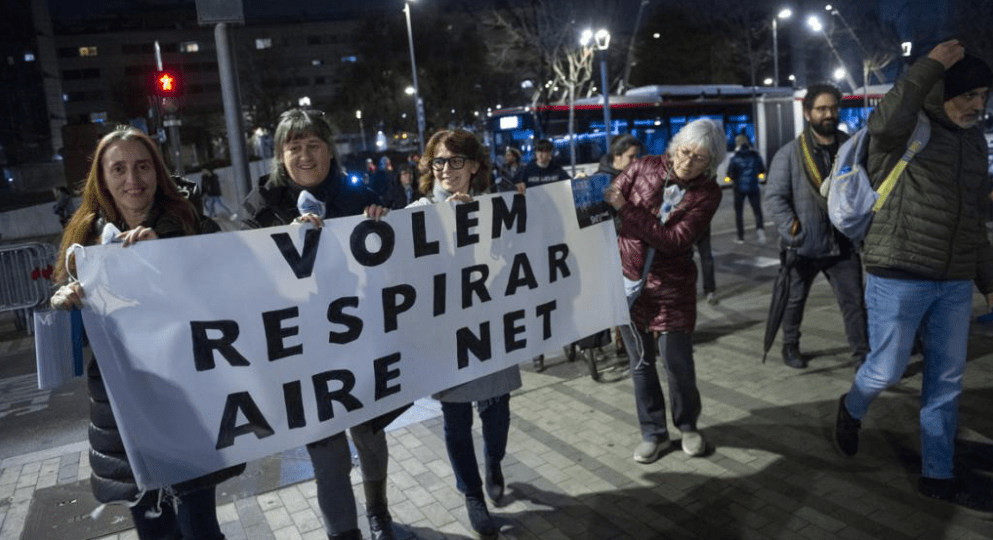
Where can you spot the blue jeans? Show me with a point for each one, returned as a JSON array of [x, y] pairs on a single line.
[[677, 355], [897, 308], [495, 416], [332, 461]]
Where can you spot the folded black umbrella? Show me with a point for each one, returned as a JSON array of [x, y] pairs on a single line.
[[780, 295]]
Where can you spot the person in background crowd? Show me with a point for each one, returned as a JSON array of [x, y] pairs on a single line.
[[212, 193], [129, 187], [799, 212], [452, 161], [305, 160], [666, 203], [402, 190], [746, 170], [64, 206], [924, 249], [508, 170], [540, 171]]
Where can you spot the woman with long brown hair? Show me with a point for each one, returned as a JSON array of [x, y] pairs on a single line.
[[129, 187]]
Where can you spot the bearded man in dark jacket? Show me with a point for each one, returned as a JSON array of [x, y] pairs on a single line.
[[924, 249], [799, 213]]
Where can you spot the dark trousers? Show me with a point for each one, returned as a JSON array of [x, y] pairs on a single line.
[[755, 199], [844, 273], [706, 262], [495, 416], [196, 518], [677, 358]]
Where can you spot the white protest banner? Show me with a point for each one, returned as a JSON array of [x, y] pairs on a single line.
[[223, 348]]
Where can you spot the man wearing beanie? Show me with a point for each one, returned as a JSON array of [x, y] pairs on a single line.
[[925, 248]]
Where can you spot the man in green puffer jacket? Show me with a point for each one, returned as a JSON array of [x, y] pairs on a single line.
[[925, 247]]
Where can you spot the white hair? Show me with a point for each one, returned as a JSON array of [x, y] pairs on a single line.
[[704, 133]]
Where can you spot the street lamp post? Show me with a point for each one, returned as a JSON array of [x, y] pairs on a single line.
[[816, 26], [602, 41], [784, 14], [413, 65]]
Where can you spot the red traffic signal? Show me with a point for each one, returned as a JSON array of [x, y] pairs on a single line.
[[167, 83]]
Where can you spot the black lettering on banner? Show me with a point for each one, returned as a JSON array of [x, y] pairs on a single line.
[[204, 347], [420, 236], [391, 308], [511, 330], [478, 286], [381, 367], [275, 333], [440, 282], [352, 323], [256, 423], [467, 342], [293, 398], [325, 396], [302, 264], [465, 220], [557, 255], [361, 252], [545, 312], [507, 216], [521, 275]]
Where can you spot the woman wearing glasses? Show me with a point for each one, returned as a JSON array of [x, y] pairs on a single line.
[[666, 203], [453, 165]]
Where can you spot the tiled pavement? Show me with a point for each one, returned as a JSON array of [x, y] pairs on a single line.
[[771, 473]]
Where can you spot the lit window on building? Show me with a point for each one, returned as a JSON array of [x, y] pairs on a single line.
[[189, 47], [29, 56], [349, 59], [88, 51], [263, 43], [317, 63], [98, 117]]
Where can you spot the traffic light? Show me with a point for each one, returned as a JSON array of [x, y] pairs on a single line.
[[167, 83]]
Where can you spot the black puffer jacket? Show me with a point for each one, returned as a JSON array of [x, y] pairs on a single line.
[[931, 226], [112, 479]]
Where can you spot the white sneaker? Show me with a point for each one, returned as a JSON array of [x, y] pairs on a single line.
[[693, 443], [739, 241], [712, 299], [649, 451], [761, 234]]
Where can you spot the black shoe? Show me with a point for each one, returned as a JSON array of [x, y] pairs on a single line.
[[846, 431], [539, 363], [792, 357], [570, 352], [479, 518], [944, 489], [381, 526], [353, 534], [590, 356], [494, 482]]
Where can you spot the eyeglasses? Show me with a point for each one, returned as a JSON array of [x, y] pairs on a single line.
[[684, 153], [455, 162]]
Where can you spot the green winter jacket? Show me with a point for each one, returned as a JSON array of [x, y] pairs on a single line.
[[932, 225]]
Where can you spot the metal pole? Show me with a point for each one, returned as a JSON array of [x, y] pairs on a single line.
[[226, 67], [606, 98], [172, 123], [775, 53], [572, 119], [627, 64], [417, 94]]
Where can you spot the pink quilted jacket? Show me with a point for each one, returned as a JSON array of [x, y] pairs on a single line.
[[668, 300]]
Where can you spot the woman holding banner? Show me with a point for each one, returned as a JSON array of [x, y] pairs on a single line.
[[306, 185], [129, 189], [453, 163], [666, 203]]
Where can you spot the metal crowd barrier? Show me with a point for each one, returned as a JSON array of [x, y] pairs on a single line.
[[26, 279]]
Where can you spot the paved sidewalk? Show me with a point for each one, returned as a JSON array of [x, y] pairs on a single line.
[[771, 474]]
